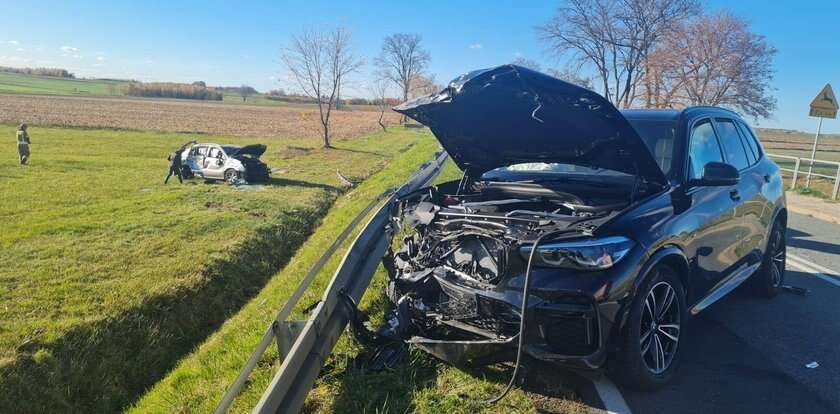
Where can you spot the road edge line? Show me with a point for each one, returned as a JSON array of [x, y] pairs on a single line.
[[610, 396], [808, 267]]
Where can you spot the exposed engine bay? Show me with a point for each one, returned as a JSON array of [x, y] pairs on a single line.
[[456, 241]]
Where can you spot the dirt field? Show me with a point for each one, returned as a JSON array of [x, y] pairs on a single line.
[[184, 116], [797, 140]]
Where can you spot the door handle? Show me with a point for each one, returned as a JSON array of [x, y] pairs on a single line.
[[733, 194]]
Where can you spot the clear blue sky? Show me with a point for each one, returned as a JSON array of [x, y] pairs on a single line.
[[224, 43]]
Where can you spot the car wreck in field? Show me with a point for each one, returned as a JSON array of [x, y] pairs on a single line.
[[229, 163], [578, 234]]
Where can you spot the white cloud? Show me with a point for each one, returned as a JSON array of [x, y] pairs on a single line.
[[12, 42], [100, 58], [20, 49], [475, 46], [70, 50]]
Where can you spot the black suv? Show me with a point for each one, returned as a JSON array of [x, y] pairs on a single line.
[[617, 226]]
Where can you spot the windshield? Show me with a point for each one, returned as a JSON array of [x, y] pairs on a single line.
[[537, 170], [230, 149], [658, 135]]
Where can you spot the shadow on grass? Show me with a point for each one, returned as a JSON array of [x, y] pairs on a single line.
[[358, 151], [104, 366], [360, 390], [277, 181]]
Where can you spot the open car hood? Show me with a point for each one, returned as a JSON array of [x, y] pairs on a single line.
[[255, 150], [507, 115]]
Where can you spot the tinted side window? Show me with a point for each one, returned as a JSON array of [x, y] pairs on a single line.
[[735, 152], [703, 149], [751, 139]]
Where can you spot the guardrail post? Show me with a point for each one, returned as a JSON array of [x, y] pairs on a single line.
[[795, 173], [286, 333], [836, 184]]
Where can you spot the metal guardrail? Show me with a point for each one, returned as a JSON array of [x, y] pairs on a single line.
[[799, 163], [304, 345]]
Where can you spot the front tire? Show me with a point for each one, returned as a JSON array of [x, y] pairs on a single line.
[[231, 176], [650, 349]]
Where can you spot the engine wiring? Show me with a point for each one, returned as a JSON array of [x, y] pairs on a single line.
[[526, 288]]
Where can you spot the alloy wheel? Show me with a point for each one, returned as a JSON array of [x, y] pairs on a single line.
[[778, 252], [660, 327], [231, 176]]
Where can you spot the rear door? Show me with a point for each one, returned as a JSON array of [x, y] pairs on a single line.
[[714, 238]]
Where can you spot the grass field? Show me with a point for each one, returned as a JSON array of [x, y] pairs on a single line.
[[17, 83], [48, 85], [108, 277]]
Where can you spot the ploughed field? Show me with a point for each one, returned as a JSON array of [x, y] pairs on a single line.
[[782, 140], [171, 115], [108, 277]]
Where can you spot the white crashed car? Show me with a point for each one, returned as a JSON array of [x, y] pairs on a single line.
[[230, 163]]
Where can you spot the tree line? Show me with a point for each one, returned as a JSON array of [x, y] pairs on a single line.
[[196, 90], [665, 54], [56, 72]]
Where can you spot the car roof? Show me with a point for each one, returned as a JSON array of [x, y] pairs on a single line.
[[675, 114]]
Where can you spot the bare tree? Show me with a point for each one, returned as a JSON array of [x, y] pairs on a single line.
[[614, 37], [527, 63], [245, 91], [715, 60], [401, 59], [422, 85], [319, 61], [379, 93], [572, 76]]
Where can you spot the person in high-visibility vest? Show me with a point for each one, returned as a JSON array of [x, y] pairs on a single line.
[[23, 144]]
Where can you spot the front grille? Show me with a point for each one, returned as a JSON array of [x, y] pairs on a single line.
[[457, 303], [568, 329]]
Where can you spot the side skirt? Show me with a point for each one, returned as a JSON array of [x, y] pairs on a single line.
[[725, 286]]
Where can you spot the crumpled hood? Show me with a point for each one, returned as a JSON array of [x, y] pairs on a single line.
[[507, 115], [255, 150]]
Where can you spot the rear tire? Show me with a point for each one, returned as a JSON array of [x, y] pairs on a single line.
[[650, 351], [769, 278]]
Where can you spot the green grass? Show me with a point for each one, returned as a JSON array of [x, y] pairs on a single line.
[[16, 83], [108, 277], [48, 85], [418, 384]]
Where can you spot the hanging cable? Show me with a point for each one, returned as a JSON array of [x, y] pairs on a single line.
[[526, 288]]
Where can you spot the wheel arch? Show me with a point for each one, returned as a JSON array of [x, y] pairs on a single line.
[[781, 214], [670, 255]]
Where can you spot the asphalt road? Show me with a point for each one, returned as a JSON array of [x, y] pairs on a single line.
[[747, 355]]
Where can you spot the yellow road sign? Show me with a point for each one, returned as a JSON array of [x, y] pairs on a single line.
[[825, 104]]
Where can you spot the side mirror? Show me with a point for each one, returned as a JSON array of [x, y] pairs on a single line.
[[718, 174]]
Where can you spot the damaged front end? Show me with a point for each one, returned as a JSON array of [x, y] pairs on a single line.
[[456, 280], [545, 163]]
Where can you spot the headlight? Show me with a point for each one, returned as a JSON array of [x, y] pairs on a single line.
[[590, 254]]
